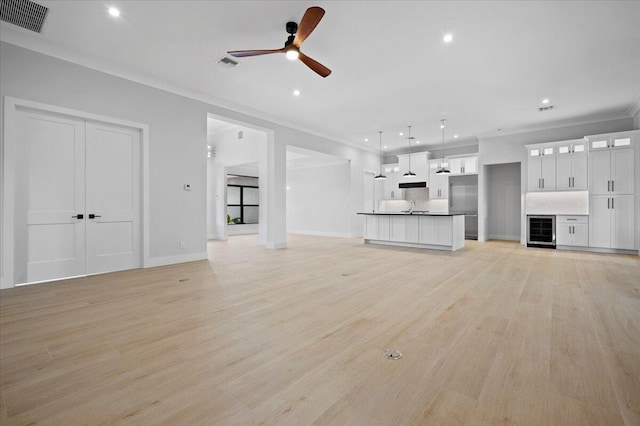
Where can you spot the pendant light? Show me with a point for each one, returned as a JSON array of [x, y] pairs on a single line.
[[442, 168], [409, 172], [380, 176]]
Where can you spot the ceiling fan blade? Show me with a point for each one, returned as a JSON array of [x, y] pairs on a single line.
[[314, 65], [311, 17], [243, 53]]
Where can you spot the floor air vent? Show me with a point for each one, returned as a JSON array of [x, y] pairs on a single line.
[[23, 13]]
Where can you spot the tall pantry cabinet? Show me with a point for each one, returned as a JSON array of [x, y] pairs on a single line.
[[611, 190]]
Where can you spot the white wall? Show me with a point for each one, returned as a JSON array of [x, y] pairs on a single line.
[[318, 200], [509, 148], [503, 198], [177, 146]]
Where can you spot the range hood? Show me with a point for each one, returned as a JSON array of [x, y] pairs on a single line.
[[406, 185]]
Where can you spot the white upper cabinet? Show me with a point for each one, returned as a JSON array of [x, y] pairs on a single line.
[[390, 190], [609, 141], [438, 182], [612, 171], [541, 168], [571, 165], [463, 165], [419, 165]]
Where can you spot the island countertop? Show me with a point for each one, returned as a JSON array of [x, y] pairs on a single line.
[[414, 213]]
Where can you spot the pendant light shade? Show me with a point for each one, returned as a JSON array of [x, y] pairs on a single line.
[[409, 172], [380, 175], [442, 168]]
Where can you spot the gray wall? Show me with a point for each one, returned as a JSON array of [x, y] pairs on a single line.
[[503, 194], [177, 142]]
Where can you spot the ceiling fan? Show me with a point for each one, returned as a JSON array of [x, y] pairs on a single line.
[[297, 34]]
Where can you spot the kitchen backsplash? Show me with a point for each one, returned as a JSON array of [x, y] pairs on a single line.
[[433, 206], [565, 202]]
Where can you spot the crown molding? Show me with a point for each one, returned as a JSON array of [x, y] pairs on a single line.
[[587, 119], [634, 107], [39, 45]]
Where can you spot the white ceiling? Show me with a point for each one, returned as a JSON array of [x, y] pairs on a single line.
[[390, 66]]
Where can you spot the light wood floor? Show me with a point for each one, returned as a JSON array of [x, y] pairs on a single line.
[[492, 334]]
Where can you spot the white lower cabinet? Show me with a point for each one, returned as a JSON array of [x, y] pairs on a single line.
[[572, 231], [412, 229], [611, 221], [441, 232], [436, 230], [398, 225]]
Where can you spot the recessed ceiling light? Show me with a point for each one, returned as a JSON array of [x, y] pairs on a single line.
[[545, 101], [114, 12], [455, 136], [385, 147], [448, 38], [366, 139], [296, 92], [401, 133], [417, 142]]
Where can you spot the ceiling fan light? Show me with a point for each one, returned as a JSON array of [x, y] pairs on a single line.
[[292, 54]]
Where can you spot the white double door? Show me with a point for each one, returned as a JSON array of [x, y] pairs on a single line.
[[78, 192]]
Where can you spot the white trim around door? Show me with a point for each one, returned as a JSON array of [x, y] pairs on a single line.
[[11, 108]]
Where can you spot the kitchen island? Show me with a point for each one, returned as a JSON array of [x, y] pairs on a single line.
[[435, 231]]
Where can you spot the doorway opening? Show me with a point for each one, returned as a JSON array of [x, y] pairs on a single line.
[[236, 165], [504, 195]]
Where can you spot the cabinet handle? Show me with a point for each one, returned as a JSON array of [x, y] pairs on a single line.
[[612, 201], [79, 216], [608, 203], [608, 186], [613, 186], [543, 182], [572, 219]]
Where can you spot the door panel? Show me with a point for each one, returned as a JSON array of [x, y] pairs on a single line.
[[564, 171], [113, 194], [579, 170], [51, 158], [599, 221], [622, 173], [548, 173], [534, 170], [600, 172], [622, 222]]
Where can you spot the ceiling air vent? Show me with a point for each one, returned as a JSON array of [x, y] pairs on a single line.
[[226, 62], [547, 108], [23, 13]]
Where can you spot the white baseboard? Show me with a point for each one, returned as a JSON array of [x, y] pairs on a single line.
[[170, 260], [504, 237], [216, 237], [276, 246], [326, 234]]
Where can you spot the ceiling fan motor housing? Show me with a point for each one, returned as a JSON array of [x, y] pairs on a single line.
[[292, 27]]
